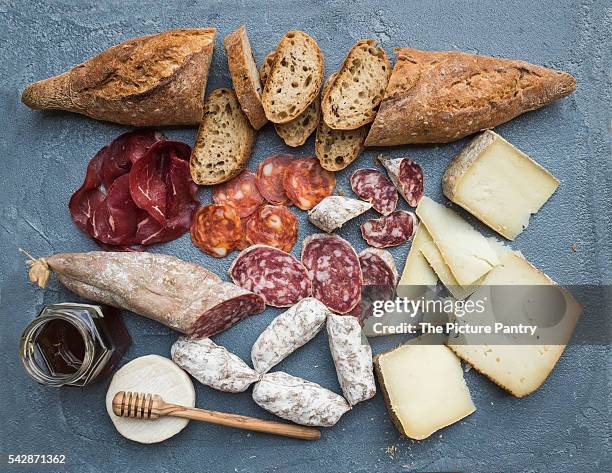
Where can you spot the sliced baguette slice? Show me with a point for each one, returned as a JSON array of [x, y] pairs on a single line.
[[245, 76], [266, 67], [295, 78], [224, 142], [357, 90], [336, 149]]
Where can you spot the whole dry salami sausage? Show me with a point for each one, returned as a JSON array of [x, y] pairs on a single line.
[[407, 176], [372, 186], [273, 225], [333, 267], [241, 192], [307, 183], [270, 173], [299, 400], [389, 230], [379, 280], [272, 273], [217, 230]]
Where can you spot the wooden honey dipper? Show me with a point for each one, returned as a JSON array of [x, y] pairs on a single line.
[[152, 406]]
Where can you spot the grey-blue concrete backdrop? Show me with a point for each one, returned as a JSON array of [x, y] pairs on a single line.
[[563, 427]]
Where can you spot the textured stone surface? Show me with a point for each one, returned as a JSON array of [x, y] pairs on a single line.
[[563, 427]]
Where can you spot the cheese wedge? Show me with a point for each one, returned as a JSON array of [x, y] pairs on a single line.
[[465, 250], [518, 368], [423, 387], [498, 184], [417, 271]]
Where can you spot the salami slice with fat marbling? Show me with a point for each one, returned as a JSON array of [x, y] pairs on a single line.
[[217, 229], [407, 176], [372, 186], [273, 225], [307, 183], [333, 267], [379, 280], [241, 192], [274, 274], [389, 230], [270, 174]]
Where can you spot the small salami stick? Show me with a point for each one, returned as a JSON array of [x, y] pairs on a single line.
[[372, 186], [307, 183], [216, 229], [299, 400], [334, 211], [407, 176], [240, 192], [333, 267], [273, 225], [270, 173], [352, 358], [213, 365], [274, 274], [390, 230], [288, 332]]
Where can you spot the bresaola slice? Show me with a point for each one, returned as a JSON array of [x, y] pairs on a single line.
[[270, 173], [390, 230], [333, 267], [307, 183], [272, 273], [372, 186], [241, 192], [407, 176]]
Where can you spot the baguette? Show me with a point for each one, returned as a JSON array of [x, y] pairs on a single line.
[[224, 142], [359, 87], [245, 76], [295, 78], [266, 67], [438, 97], [153, 80], [336, 149]]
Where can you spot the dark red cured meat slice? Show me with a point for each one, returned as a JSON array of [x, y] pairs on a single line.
[[390, 230], [216, 229], [372, 186], [411, 180], [273, 225], [270, 173], [379, 280], [241, 192], [272, 273], [333, 267], [307, 183]]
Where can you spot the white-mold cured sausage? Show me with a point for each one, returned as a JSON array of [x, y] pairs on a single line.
[[334, 211]]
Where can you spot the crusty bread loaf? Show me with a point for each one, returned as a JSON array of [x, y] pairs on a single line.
[[245, 76], [437, 97], [295, 78], [224, 142], [336, 149], [152, 80], [358, 88], [266, 67]]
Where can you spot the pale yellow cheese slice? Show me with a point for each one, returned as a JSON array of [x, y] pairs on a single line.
[[423, 387], [417, 271]]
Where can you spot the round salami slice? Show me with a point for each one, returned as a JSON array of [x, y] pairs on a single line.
[[333, 267], [273, 225], [407, 176], [390, 230], [307, 183], [372, 186], [216, 229], [270, 173], [241, 192], [274, 274]]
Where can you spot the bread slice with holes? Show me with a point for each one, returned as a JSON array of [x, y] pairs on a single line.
[[357, 90], [266, 67], [295, 78], [224, 142], [336, 149], [245, 76]]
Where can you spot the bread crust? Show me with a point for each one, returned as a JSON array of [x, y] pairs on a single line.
[[238, 51], [153, 80], [438, 97]]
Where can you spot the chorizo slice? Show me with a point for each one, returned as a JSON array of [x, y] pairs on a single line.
[[389, 230], [217, 229], [241, 192], [372, 186], [273, 225], [270, 173], [407, 176], [307, 183]]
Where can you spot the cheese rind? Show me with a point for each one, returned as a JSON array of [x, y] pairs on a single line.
[[498, 184], [423, 387], [466, 252]]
